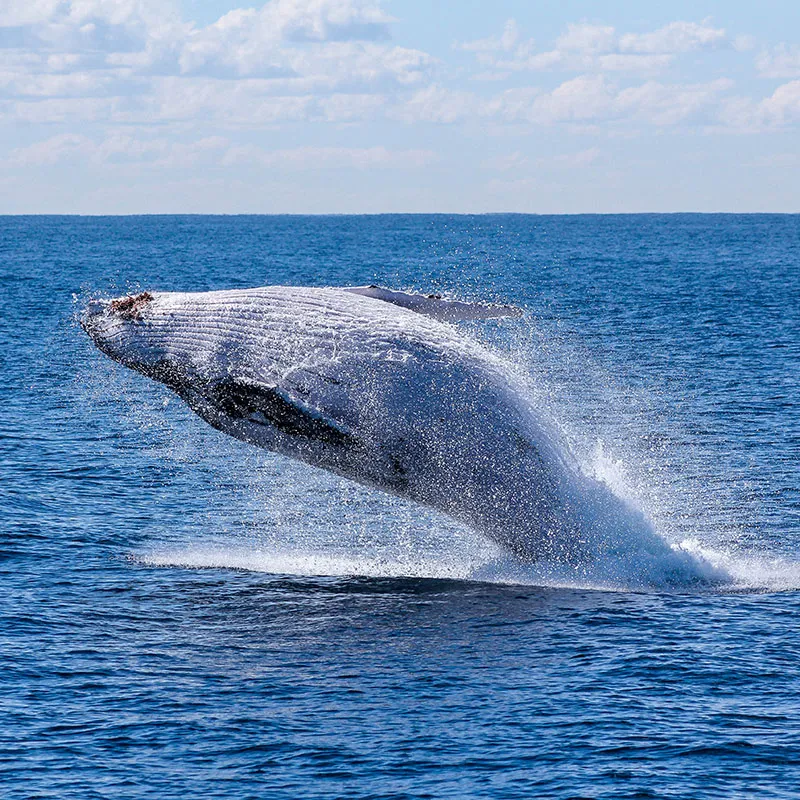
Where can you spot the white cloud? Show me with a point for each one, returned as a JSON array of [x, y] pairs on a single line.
[[125, 25], [744, 42], [436, 104], [80, 111], [581, 99], [633, 62], [677, 37], [90, 26], [581, 102], [588, 39], [75, 84], [583, 158], [160, 153], [357, 64], [518, 163], [119, 149], [665, 104], [343, 41], [585, 47], [350, 107], [14, 14], [50, 151], [506, 163], [780, 62], [780, 110], [315, 158], [232, 104], [508, 41], [136, 61], [590, 99], [778, 161], [513, 105], [328, 20], [122, 149], [270, 41]]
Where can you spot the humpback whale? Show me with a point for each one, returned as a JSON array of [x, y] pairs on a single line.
[[378, 386]]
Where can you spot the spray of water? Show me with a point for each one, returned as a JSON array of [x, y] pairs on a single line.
[[270, 515]]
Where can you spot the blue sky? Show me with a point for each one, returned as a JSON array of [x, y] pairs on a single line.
[[339, 106]]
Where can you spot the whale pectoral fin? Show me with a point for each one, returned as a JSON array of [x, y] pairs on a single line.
[[436, 306], [263, 404]]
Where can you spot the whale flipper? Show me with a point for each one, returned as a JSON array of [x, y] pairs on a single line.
[[436, 306], [244, 399]]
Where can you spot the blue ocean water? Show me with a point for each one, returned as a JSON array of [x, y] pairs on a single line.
[[183, 615]]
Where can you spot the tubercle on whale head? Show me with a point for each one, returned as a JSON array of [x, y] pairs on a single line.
[[130, 307], [118, 328]]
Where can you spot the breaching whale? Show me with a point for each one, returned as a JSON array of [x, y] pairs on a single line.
[[377, 386]]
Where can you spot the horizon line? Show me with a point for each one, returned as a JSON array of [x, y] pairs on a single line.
[[399, 214]]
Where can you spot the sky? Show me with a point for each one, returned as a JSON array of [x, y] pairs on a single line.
[[372, 106]]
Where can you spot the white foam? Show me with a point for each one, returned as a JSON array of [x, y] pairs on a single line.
[[688, 566], [750, 571], [303, 562], [719, 572]]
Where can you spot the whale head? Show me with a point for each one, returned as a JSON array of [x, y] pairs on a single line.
[[137, 331], [185, 340], [256, 364], [118, 328]]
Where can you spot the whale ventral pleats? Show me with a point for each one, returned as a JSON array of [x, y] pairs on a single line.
[[130, 307]]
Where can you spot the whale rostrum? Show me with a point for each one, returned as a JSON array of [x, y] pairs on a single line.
[[376, 385]]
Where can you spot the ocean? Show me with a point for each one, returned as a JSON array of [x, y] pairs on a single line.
[[184, 615]]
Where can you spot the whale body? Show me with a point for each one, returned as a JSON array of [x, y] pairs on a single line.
[[377, 386]]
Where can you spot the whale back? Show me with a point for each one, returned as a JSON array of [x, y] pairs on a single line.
[[274, 329]]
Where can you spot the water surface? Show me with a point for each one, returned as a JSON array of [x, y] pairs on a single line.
[[184, 615]]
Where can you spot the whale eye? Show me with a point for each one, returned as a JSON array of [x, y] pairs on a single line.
[[130, 307]]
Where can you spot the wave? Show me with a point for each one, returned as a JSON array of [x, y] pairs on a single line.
[[689, 568]]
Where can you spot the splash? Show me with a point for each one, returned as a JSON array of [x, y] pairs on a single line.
[[625, 548], [277, 561], [720, 572]]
